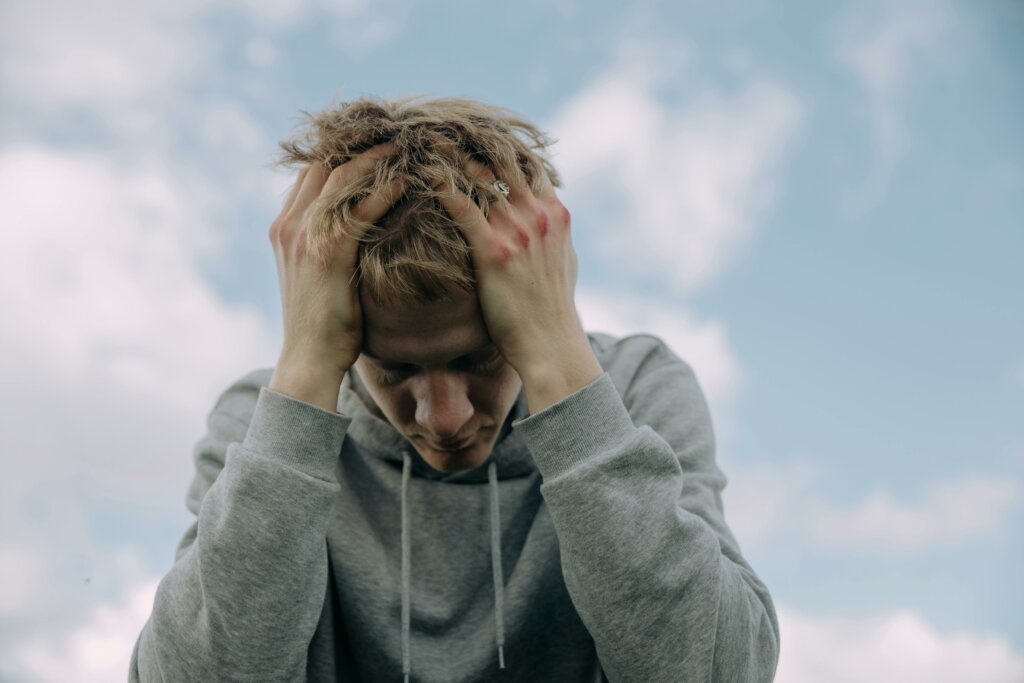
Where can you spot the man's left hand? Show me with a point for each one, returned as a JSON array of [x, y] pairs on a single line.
[[526, 273]]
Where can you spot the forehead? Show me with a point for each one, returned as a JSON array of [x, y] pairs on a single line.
[[424, 334]]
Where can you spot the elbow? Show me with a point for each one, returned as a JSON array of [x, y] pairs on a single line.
[[767, 646], [748, 641]]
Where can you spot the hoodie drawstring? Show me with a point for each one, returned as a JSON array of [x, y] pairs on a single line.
[[406, 470], [499, 585]]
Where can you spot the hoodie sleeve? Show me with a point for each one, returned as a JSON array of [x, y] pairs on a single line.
[[635, 498], [245, 594]]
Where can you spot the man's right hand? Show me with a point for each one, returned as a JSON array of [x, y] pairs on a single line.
[[323, 324]]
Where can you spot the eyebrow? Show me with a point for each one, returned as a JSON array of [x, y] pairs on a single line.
[[485, 347]]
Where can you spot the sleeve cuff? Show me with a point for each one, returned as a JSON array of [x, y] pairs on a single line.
[[581, 427], [295, 433]]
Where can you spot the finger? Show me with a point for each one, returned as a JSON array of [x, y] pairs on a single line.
[[294, 191], [374, 206], [310, 189], [466, 214], [446, 145], [546, 187], [483, 174], [360, 165]]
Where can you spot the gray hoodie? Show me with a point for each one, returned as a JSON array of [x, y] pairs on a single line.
[[590, 546]]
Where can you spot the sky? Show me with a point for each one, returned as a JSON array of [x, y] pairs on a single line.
[[820, 206]]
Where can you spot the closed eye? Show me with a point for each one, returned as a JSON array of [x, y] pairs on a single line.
[[397, 373]]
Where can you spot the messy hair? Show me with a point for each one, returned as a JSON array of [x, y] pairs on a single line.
[[415, 252]]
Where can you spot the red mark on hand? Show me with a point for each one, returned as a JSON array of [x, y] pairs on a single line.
[[504, 254], [522, 236]]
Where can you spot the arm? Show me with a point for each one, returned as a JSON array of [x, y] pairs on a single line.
[[244, 596], [635, 496]]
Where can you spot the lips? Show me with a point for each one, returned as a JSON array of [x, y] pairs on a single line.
[[451, 446]]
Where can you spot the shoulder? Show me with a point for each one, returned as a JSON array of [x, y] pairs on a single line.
[[628, 357], [645, 369], [657, 386]]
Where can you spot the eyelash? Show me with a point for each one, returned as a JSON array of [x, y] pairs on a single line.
[[394, 376]]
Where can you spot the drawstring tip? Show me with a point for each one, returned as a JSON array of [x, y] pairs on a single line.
[[406, 678], [501, 657]]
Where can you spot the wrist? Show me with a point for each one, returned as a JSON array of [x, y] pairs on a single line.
[[312, 383], [558, 375]]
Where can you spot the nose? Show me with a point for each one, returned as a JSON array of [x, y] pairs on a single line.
[[442, 404]]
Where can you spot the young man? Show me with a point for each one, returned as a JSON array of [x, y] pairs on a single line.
[[444, 475]]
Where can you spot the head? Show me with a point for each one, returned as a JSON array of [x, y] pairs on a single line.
[[427, 357]]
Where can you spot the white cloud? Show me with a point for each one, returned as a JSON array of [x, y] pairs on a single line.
[[896, 647], [765, 499], [22, 579], [115, 348], [704, 345], [679, 190], [113, 52], [96, 651], [884, 46], [99, 277], [111, 55], [949, 513]]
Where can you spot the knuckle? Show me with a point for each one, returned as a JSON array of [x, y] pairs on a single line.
[[542, 220], [566, 216], [521, 232], [339, 176], [498, 250], [284, 231], [503, 255]]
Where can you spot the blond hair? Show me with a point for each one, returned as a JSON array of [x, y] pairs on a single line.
[[415, 252]]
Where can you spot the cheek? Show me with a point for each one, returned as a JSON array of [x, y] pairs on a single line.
[[388, 398]]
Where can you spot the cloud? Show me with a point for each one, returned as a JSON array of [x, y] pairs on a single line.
[[115, 348], [896, 647], [22, 579], [704, 345], [108, 55], [97, 650], [949, 513], [765, 498], [673, 191], [99, 277], [884, 46], [66, 54], [765, 501]]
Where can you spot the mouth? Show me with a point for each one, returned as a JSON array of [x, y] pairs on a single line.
[[451, 446]]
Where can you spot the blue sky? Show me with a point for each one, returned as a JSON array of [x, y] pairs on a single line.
[[819, 205]]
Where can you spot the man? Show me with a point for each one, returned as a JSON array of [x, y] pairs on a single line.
[[444, 475]]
